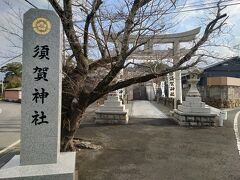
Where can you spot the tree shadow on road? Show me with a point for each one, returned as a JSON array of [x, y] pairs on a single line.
[[154, 122]]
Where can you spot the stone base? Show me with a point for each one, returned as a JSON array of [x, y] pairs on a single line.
[[194, 105], [111, 117], [64, 169], [197, 120], [198, 110]]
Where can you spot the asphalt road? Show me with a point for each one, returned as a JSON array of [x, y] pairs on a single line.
[[9, 123], [151, 149]]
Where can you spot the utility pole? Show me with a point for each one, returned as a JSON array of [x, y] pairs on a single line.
[[2, 87]]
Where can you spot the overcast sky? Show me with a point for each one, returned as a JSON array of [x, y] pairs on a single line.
[[188, 20]]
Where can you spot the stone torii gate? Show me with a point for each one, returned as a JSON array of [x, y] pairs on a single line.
[[148, 53]]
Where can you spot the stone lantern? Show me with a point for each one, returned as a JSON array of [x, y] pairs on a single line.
[[193, 112], [193, 91]]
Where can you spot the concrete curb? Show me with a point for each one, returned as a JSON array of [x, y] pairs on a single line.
[[235, 127], [10, 146]]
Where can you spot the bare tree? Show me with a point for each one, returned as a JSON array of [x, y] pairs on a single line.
[[92, 64], [138, 17], [11, 29]]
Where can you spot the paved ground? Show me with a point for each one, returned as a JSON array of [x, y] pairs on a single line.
[[152, 149], [144, 109], [9, 123]]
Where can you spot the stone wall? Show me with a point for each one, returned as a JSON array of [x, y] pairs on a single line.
[[150, 92], [221, 96], [218, 103], [111, 118], [234, 92], [10, 95], [169, 102], [129, 92], [195, 120]]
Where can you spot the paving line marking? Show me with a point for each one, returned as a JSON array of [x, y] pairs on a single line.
[[235, 127], [10, 146]]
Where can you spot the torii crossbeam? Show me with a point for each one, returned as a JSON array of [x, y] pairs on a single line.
[[148, 53]]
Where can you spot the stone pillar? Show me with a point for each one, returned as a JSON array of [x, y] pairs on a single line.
[[171, 85], [162, 86], [148, 47], [40, 156], [178, 74], [41, 88]]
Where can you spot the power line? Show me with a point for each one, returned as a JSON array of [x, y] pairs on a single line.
[[31, 4], [203, 8], [202, 4], [181, 11], [191, 8], [190, 5], [10, 60]]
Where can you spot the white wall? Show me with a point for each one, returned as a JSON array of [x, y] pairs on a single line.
[[150, 92]]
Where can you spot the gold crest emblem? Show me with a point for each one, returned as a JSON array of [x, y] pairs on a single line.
[[41, 26]]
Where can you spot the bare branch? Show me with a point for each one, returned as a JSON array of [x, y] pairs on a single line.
[[210, 28], [90, 16], [57, 7], [103, 62]]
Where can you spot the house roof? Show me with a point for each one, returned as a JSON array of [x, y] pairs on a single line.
[[221, 62], [186, 72]]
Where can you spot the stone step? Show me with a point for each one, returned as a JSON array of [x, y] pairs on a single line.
[[193, 99], [194, 105], [111, 103], [113, 98], [185, 109], [104, 108]]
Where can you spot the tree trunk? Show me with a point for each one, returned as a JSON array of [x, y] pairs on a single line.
[[74, 103], [67, 134], [69, 126]]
